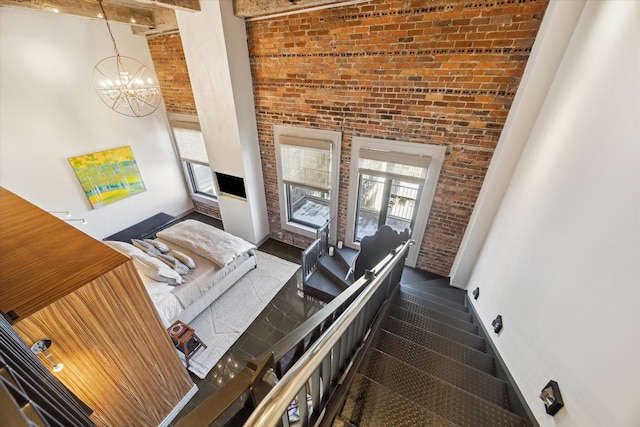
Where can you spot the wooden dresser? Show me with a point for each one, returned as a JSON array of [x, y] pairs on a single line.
[[89, 299]]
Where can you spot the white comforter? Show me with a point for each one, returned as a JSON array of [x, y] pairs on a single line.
[[171, 301], [209, 242]]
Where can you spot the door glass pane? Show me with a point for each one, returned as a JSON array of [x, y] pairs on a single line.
[[370, 200], [385, 201], [402, 205], [307, 206]]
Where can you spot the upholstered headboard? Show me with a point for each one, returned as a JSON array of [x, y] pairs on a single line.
[[144, 229]]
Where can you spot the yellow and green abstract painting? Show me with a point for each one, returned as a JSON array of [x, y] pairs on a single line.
[[108, 176]]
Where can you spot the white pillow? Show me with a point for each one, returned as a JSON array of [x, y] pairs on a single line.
[[156, 269], [124, 248]]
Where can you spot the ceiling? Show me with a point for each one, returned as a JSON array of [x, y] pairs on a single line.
[[145, 16], [148, 17]]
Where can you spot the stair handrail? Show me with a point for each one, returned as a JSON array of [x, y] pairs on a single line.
[[344, 336], [299, 341]]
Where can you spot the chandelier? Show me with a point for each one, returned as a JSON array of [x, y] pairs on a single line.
[[124, 84]]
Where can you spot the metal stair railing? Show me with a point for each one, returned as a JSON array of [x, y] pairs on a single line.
[[318, 371], [257, 378], [311, 255]]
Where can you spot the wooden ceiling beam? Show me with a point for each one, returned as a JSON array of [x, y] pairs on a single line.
[[187, 5], [137, 17], [258, 8], [166, 22]]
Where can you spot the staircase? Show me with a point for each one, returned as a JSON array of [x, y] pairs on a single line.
[[427, 364], [331, 277]]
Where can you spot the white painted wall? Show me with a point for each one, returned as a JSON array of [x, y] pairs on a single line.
[[548, 50], [50, 112], [561, 262]]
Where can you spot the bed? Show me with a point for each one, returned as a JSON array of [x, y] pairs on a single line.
[[219, 260]]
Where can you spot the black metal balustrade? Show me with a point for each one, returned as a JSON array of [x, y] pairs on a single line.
[[312, 358], [311, 255]]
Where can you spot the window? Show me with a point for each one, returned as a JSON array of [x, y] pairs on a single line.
[[307, 167], [391, 183], [307, 206], [192, 152]]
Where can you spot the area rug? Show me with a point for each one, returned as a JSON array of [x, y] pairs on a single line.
[[222, 323]]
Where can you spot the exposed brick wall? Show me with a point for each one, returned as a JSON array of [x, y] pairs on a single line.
[[438, 72], [173, 75], [207, 209]]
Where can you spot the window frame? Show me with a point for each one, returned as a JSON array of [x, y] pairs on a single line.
[[193, 182], [192, 123], [304, 133]]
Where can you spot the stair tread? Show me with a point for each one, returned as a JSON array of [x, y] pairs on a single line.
[[467, 378], [434, 296], [432, 305], [435, 314], [434, 394], [341, 422], [322, 287], [415, 275], [458, 335], [450, 348], [369, 403], [431, 283], [347, 254], [332, 267]]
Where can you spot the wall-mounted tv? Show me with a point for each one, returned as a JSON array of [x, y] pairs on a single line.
[[229, 184]]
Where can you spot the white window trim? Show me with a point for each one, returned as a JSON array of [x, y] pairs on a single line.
[[185, 118], [336, 141], [436, 153]]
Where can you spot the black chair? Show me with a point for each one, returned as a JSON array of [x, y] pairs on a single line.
[[374, 248]]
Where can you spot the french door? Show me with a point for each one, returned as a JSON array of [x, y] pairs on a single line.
[[385, 201], [391, 183]]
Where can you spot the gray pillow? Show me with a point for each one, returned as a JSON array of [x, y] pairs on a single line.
[[184, 258], [146, 247], [174, 263], [158, 245], [156, 269]]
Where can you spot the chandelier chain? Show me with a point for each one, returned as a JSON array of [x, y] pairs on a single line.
[[104, 14]]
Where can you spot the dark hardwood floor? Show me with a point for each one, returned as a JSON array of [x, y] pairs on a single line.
[[288, 309]]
